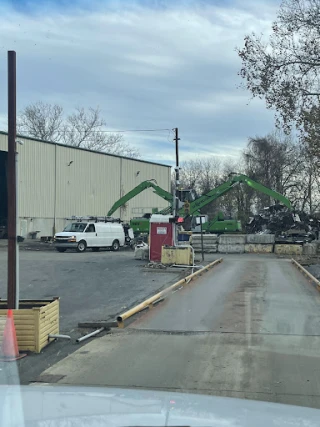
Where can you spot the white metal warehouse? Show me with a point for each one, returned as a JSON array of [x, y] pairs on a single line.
[[57, 181]]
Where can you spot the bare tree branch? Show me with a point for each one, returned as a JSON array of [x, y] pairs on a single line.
[[83, 128], [43, 121]]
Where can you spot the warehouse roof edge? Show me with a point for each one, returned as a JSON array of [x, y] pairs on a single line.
[[86, 149]]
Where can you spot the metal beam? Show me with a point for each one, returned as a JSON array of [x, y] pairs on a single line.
[[11, 223]]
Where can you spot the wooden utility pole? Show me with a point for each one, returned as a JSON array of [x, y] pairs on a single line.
[[12, 208]]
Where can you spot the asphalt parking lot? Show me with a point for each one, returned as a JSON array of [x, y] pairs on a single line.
[[91, 286]]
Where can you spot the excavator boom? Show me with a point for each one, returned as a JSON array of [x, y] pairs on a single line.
[[263, 189], [137, 190], [224, 188], [195, 206]]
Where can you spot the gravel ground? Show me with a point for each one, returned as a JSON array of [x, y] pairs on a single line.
[[314, 270], [310, 263]]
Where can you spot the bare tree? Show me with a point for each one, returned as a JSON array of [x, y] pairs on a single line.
[[285, 71], [285, 166], [83, 128], [200, 174], [43, 121], [237, 202]]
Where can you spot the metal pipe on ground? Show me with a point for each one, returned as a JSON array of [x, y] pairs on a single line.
[[306, 272], [57, 336], [160, 295], [91, 334]]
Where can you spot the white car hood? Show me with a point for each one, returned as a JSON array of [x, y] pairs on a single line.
[[56, 406]]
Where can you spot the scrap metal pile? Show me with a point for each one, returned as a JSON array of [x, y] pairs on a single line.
[[288, 226]]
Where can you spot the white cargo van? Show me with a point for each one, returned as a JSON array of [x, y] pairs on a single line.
[[95, 235]]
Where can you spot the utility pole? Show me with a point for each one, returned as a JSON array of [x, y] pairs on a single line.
[[177, 195], [12, 208]]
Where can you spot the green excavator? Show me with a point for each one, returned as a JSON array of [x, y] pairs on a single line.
[[191, 206], [185, 195]]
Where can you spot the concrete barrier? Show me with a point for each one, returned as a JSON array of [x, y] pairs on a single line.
[[232, 239], [309, 249], [263, 239], [231, 249], [258, 248], [281, 249], [196, 238], [205, 243], [210, 243], [210, 249], [205, 236]]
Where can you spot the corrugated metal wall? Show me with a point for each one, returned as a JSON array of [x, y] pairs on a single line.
[[36, 177], [58, 181], [88, 185]]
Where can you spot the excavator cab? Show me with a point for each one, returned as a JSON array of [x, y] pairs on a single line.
[[187, 195]]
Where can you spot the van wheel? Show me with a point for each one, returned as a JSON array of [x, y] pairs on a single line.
[[95, 249], [61, 249], [115, 245], [82, 246]]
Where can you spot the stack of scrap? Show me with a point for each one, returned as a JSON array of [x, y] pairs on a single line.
[[288, 226], [232, 243], [210, 243]]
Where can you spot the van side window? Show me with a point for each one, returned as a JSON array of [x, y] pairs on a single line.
[[90, 229]]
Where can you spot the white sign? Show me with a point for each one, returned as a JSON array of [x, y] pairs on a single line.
[[161, 230], [200, 219]]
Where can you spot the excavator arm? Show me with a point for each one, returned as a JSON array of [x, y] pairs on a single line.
[[224, 188], [209, 197], [260, 187], [137, 190]]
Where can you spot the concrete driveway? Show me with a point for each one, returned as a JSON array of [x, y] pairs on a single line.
[[247, 329]]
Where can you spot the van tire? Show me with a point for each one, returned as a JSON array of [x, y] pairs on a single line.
[[61, 249], [95, 249], [115, 246], [82, 246]]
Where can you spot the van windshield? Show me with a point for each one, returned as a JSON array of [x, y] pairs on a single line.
[[76, 226]]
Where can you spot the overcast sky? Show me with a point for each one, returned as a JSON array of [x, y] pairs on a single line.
[[148, 64]]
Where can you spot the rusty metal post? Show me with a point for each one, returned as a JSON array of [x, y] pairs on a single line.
[[176, 138], [12, 229]]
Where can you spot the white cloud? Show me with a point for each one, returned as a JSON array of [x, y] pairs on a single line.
[[146, 68]]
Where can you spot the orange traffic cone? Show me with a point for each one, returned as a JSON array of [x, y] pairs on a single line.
[[9, 348]]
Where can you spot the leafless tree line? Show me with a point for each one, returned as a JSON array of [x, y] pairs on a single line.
[[82, 128], [275, 160]]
